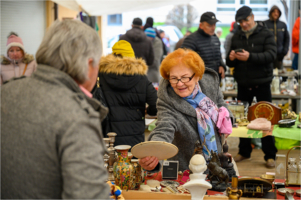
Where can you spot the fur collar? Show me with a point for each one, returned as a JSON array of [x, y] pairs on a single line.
[[27, 59], [122, 66]]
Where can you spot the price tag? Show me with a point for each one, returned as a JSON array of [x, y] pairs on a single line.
[[165, 163]]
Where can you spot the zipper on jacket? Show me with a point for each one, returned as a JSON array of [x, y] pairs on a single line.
[[275, 31]]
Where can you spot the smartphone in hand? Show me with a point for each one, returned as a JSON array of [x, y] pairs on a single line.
[[238, 50]]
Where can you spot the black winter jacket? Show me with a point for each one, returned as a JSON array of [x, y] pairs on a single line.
[[141, 44], [258, 69], [208, 47], [280, 32], [126, 90]]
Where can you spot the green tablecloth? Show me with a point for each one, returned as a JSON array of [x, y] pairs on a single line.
[[285, 138], [293, 133]]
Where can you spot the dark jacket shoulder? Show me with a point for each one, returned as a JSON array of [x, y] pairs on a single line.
[[126, 90]]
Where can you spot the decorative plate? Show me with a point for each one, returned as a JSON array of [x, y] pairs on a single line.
[[161, 150], [283, 191]]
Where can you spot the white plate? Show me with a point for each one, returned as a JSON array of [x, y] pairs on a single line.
[[159, 149]]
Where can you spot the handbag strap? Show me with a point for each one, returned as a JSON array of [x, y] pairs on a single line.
[[24, 69]]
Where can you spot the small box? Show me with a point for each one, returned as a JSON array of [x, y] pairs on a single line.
[[170, 169]]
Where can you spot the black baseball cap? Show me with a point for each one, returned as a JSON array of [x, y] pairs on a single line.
[[243, 13], [137, 21], [209, 17]]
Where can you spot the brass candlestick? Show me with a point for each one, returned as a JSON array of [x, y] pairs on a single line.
[[233, 192], [112, 156]]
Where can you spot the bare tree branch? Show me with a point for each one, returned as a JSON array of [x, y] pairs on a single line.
[[182, 16], [285, 8]]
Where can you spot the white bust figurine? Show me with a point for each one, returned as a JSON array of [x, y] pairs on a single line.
[[197, 184]]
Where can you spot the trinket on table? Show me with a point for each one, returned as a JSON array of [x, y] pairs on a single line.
[[293, 167], [123, 170]]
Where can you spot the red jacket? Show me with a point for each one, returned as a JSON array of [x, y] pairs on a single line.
[[295, 35]]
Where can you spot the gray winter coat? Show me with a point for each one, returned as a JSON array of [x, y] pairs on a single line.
[[51, 140], [153, 74], [177, 120]]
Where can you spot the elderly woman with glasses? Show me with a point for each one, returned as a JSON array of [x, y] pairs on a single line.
[[190, 108]]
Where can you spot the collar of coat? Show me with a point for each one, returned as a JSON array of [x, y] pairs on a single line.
[[122, 66], [202, 32], [27, 59], [209, 84], [260, 26]]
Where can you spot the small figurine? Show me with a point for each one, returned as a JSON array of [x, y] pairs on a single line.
[[115, 191], [217, 172], [287, 114], [226, 161], [197, 185], [198, 148]]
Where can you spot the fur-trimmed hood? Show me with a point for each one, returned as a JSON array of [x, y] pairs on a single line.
[[121, 73], [122, 66], [26, 59]]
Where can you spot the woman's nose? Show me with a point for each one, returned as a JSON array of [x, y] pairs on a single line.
[[180, 83]]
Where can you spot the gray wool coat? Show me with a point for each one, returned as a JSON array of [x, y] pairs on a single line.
[[177, 120], [51, 139], [153, 73]]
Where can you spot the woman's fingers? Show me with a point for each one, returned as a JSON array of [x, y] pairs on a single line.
[[149, 162]]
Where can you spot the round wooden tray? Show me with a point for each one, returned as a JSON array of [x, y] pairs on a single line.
[[161, 150]]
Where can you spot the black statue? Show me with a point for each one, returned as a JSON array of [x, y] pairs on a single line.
[[216, 171], [226, 161]]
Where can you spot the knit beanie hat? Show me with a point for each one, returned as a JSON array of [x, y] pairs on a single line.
[[123, 48], [150, 32], [14, 41]]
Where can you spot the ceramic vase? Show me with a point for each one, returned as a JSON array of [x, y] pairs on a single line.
[[130, 155], [123, 170], [138, 174]]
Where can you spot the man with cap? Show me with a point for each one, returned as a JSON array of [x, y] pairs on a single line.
[[205, 42], [252, 52], [281, 35], [153, 73], [141, 45]]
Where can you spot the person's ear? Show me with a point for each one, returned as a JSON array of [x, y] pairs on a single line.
[[90, 62], [200, 25]]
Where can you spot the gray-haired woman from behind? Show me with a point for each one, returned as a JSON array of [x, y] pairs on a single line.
[[51, 140]]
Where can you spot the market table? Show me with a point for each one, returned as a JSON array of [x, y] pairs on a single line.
[[295, 99], [131, 194], [285, 138]]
